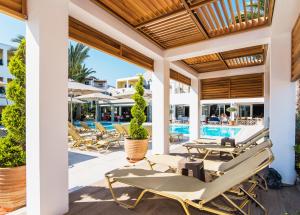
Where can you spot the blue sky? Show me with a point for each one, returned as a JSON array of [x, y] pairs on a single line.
[[106, 67]]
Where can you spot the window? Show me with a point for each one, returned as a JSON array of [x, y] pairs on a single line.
[[1, 57], [244, 111], [10, 53], [258, 110]]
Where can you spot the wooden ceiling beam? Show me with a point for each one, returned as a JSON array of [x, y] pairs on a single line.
[[161, 18], [197, 23], [199, 4]]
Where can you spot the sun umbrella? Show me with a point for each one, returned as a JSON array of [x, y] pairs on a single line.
[[96, 97], [76, 88], [75, 101]]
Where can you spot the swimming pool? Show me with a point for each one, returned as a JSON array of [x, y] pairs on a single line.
[[206, 130]]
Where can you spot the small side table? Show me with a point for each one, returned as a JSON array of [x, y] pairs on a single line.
[[193, 168]]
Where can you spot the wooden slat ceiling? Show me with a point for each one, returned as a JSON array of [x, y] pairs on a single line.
[[296, 51], [15, 8], [179, 77], [241, 86], [83, 33], [245, 57], [171, 23]]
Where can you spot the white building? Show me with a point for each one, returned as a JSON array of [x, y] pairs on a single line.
[[5, 76]]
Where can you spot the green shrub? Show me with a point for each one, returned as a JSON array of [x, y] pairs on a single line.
[[231, 109], [12, 147], [136, 129]]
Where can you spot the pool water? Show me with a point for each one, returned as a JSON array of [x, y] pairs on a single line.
[[206, 130]]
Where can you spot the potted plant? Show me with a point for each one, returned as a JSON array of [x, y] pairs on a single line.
[[12, 146], [136, 145], [232, 111]]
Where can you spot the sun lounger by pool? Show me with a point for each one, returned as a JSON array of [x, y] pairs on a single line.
[[89, 143], [189, 191], [207, 149], [120, 129]]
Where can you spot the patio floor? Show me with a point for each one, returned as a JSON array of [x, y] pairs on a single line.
[[97, 199]]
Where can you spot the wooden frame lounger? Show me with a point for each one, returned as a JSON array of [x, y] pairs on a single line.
[[189, 191], [207, 149], [79, 141], [215, 168], [120, 129]]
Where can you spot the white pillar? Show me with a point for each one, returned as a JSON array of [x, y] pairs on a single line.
[[195, 109], [267, 92], [47, 107], [161, 107], [282, 107]]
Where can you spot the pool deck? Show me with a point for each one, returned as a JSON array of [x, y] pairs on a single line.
[[96, 199], [88, 167]]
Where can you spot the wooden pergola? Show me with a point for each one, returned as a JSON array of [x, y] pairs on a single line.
[[245, 57], [174, 23]]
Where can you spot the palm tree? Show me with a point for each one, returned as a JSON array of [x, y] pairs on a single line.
[[18, 39], [77, 69]]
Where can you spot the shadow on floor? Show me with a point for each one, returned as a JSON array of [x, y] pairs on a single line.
[[75, 158]]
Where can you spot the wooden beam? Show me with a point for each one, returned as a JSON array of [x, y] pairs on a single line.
[[201, 29], [85, 34], [14, 8], [161, 18], [199, 4]]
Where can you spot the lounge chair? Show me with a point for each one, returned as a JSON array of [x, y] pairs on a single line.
[[88, 143], [189, 191], [85, 127], [214, 141], [103, 131], [174, 137], [233, 151], [219, 167], [119, 129], [149, 130]]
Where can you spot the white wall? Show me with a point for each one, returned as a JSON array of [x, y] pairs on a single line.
[[282, 90]]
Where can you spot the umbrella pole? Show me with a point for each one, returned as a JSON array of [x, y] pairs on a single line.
[[96, 114], [71, 110]]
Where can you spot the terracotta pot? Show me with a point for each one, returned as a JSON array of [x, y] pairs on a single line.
[[12, 188], [135, 149]]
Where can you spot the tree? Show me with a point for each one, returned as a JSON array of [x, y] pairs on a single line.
[[77, 69], [255, 10], [136, 129], [12, 147], [18, 39]]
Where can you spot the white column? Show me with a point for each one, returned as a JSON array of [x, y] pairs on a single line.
[[161, 107], [282, 107], [195, 109], [47, 107], [267, 92]]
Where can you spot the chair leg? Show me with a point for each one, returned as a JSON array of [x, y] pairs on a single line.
[[122, 203], [254, 200], [206, 154], [233, 204]]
